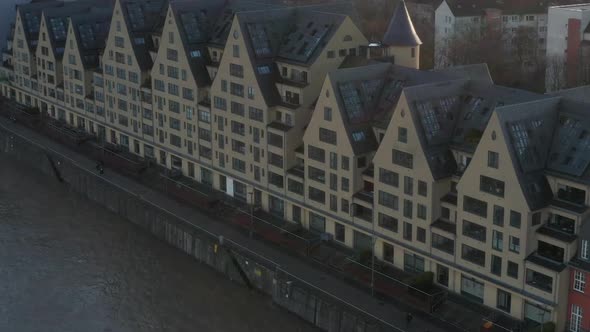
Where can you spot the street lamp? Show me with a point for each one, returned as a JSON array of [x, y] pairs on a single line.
[[251, 195]]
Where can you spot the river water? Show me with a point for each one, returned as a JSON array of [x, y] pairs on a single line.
[[68, 265]]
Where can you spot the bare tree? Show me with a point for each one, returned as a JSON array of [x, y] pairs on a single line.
[[555, 78]]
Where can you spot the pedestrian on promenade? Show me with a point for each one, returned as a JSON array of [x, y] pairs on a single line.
[[409, 318]]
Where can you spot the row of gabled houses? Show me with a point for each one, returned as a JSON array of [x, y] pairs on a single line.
[[289, 109]]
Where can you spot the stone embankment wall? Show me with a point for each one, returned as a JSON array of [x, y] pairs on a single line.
[[228, 258]]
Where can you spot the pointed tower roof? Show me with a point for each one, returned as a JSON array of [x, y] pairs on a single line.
[[400, 31]]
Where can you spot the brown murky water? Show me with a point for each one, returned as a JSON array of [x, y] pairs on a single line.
[[68, 265]]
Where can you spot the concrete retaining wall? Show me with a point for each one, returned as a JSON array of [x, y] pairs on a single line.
[[310, 304]]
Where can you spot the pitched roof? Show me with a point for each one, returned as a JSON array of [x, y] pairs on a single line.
[[400, 31], [91, 31], [143, 17], [195, 22], [56, 19], [31, 19], [367, 96]]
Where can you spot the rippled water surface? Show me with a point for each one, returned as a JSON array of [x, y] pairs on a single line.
[[67, 265]]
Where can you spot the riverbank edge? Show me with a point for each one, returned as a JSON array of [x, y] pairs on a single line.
[[225, 256]]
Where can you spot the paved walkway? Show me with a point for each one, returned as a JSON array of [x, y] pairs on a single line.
[[392, 313]]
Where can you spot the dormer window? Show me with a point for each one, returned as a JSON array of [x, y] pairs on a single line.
[[585, 250]]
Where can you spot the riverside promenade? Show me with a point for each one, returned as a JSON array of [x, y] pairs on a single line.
[[387, 311]]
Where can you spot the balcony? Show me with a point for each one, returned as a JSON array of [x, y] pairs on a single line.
[[298, 81], [537, 259], [450, 198], [445, 226], [279, 126], [562, 224], [556, 234], [363, 213], [365, 196], [539, 281], [572, 195], [298, 171]]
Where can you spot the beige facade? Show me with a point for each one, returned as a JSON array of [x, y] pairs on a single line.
[[436, 171]]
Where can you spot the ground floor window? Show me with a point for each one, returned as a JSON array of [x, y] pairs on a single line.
[[240, 191], [222, 183], [296, 213], [388, 252], [442, 275], [176, 162], [206, 176], [191, 169], [317, 223], [276, 206], [148, 150], [413, 263], [503, 300], [536, 313], [576, 319], [339, 232], [362, 241], [472, 288]]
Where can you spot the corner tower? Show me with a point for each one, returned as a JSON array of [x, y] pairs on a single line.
[[401, 40]]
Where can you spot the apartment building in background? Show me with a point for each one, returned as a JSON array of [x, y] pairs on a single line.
[[284, 108], [568, 46], [521, 27]]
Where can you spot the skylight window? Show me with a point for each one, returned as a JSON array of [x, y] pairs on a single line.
[[358, 136], [139, 41], [196, 54], [263, 70]]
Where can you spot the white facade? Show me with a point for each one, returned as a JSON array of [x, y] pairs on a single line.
[[447, 25], [557, 36]]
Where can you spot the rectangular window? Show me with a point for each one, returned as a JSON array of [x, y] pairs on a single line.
[[514, 244], [422, 211], [387, 222], [408, 185], [402, 134], [498, 215], [316, 154], [491, 186], [237, 108], [339, 232], [512, 270], [475, 206], [504, 300], [236, 51], [236, 89], [496, 267], [443, 243], [403, 159], [188, 94], [345, 163], [236, 70], [388, 177], [344, 185], [317, 195], [344, 206], [515, 219], [173, 89], [493, 159], [585, 250], [256, 114], [295, 186], [172, 54], [422, 188], [327, 136], [173, 106], [474, 231], [408, 208], [576, 319], [497, 240], [413, 263], [421, 234], [316, 174], [275, 140], [239, 165], [388, 200], [539, 280], [579, 281], [407, 231], [472, 288], [172, 72], [327, 114], [388, 252], [219, 103], [473, 255]]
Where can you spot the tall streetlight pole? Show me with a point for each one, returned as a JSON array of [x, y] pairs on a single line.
[[251, 195], [373, 242]]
